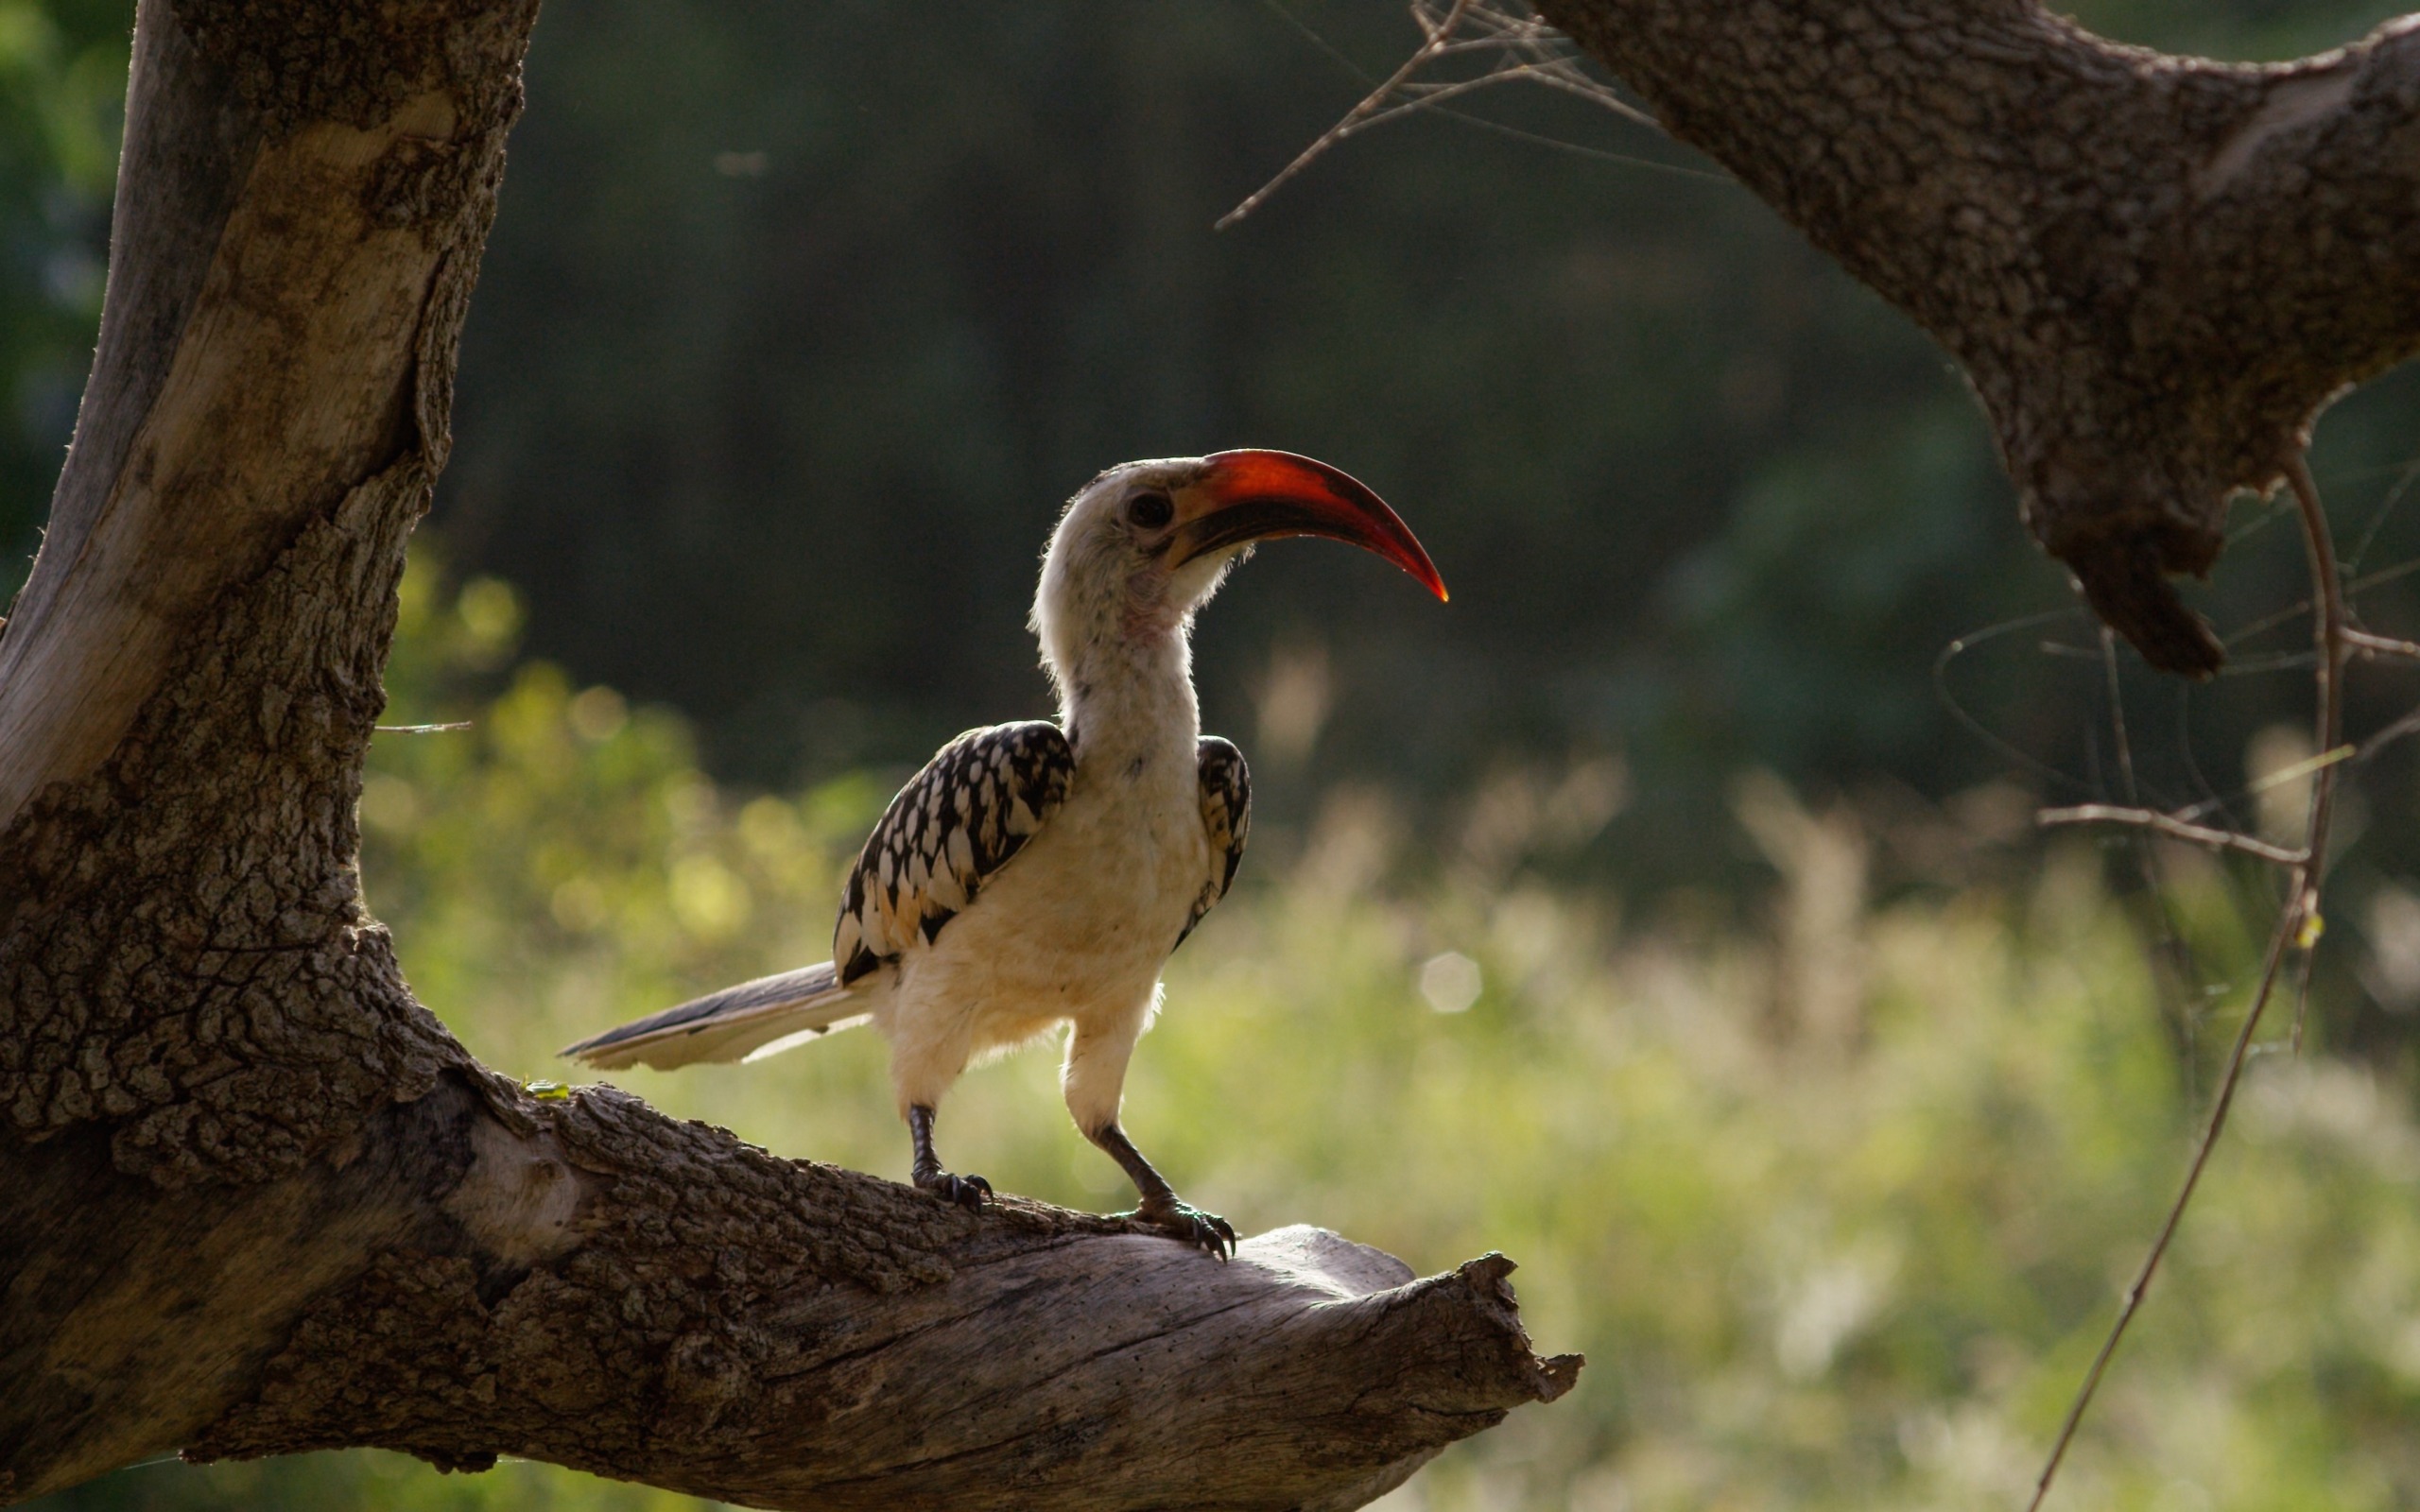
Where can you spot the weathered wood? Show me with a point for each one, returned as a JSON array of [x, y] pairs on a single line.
[[479, 1273], [253, 1198], [2156, 270]]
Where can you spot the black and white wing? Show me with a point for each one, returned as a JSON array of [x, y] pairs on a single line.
[[1226, 815], [946, 834]]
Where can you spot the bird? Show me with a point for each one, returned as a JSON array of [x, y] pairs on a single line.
[[1037, 875]]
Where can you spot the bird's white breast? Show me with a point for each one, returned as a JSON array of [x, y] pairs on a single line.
[[1078, 926]]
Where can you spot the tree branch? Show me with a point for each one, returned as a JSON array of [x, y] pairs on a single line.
[[253, 1198], [480, 1273], [2154, 270]]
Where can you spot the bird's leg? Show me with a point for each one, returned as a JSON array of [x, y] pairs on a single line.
[[1159, 1205], [968, 1191]]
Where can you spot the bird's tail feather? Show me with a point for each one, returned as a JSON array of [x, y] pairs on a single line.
[[747, 1021]]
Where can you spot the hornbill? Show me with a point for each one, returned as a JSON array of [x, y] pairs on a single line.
[[1036, 874]]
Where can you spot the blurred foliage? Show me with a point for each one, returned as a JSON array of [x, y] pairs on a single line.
[[799, 320], [1837, 1208], [62, 90]]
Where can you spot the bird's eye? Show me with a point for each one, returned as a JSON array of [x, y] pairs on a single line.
[[1151, 510]]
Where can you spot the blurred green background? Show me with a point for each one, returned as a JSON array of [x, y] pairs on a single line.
[[1664, 911]]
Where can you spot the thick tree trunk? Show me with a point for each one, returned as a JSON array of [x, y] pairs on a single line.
[[2156, 270], [253, 1198]]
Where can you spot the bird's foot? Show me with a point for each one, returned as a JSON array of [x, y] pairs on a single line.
[[1184, 1222], [968, 1191]]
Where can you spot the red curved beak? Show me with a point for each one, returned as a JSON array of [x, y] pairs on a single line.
[[1256, 495]]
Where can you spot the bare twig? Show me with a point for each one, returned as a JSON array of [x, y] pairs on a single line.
[[1965, 717], [2172, 960], [2117, 713], [2295, 773], [2402, 729], [2298, 926], [2302, 978], [2333, 636], [1520, 48], [2372, 646], [1369, 105], [2302, 605], [2171, 826], [2278, 941]]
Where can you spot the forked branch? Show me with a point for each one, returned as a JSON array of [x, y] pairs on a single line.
[[1510, 47]]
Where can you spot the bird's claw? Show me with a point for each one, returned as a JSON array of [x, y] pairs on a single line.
[[967, 1191], [1184, 1222]]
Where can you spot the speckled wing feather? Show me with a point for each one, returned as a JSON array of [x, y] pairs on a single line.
[[1226, 814], [946, 834]]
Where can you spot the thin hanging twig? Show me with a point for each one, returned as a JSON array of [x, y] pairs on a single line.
[[2298, 926], [2172, 959], [2335, 642]]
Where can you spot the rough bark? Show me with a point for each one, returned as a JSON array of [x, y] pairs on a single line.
[[253, 1198], [2156, 270], [475, 1272]]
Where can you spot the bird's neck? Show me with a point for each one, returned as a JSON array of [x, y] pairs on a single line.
[[1126, 698]]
